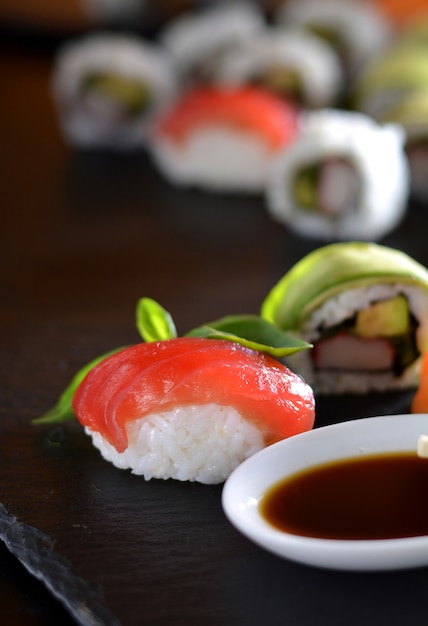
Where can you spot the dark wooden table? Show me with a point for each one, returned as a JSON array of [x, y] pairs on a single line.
[[83, 236]]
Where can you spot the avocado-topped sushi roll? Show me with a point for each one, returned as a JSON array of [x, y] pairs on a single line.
[[344, 177], [190, 408], [354, 28], [108, 87], [382, 84], [393, 89], [197, 40], [412, 114], [364, 307], [223, 139], [287, 62]]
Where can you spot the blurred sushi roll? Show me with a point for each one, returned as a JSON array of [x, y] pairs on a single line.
[[287, 62], [394, 89], [196, 40], [354, 28], [223, 139], [344, 177], [382, 85], [364, 307], [108, 87], [415, 31]]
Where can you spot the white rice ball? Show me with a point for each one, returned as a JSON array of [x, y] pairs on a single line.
[[203, 443]]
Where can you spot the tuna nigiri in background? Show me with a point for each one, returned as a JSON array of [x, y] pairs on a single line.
[[223, 139]]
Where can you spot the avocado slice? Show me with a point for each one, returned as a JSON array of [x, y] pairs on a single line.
[[305, 183], [130, 93], [281, 80], [386, 318]]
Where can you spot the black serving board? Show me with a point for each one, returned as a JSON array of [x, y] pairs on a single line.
[[85, 235]]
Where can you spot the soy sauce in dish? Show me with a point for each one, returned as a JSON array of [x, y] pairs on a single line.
[[370, 497]]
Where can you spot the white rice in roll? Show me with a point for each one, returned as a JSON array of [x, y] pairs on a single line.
[[355, 27], [288, 62], [196, 40], [350, 377]]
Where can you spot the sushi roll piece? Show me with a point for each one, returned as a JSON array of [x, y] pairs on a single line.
[[393, 89], [344, 177], [354, 28], [381, 85], [287, 62], [196, 40], [223, 139], [190, 408], [412, 115], [364, 307], [108, 87]]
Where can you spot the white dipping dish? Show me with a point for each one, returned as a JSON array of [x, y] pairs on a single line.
[[367, 436]]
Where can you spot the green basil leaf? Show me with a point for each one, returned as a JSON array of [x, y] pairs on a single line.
[[63, 411], [154, 323], [252, 331]]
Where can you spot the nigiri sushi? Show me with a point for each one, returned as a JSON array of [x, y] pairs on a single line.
[[190, 408], [345, 177], [107, 87], [364, 307], [223, 139]]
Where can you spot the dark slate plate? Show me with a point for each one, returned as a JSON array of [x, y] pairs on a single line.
[[85, 236]]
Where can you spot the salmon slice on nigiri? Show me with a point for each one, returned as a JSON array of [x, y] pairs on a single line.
[[190, 408], [223, 138]]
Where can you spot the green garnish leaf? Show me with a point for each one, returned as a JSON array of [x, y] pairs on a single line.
[[252, 331], [63, 411], [154, 323]]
